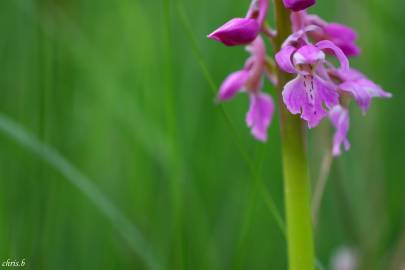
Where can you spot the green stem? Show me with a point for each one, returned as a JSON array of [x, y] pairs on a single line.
[[296, 175]]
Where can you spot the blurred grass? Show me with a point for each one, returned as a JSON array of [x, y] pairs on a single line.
[[117, 87], [129, 232]]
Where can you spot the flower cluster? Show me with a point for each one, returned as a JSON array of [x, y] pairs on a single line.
[[319, 90]]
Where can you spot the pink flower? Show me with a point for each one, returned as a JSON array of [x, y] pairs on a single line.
[[361, 88], [311, 91], [249, 80], [242, 31]]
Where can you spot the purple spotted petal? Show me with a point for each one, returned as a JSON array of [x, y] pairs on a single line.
[[308, 95], [260, 115], [328, 45], [297, 5], [339, 117], [238, 31], [362, 89], [233, 84], [283, 59]]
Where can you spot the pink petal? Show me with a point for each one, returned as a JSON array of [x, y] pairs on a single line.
[[344, 37], [340, 31], [260, 115], [349, 48], [339, 117], [300, 35], [238, 31], [361, 96], [327, 92], [294, 95], [233, 84], [328, 45], [361, 88], [263, 8], [283, 59], [257, 49], [324, 95], [298, 20]]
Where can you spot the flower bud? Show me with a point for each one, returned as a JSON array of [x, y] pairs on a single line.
[[297, 5], [238, 31]]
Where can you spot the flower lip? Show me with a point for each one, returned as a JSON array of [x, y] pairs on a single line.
[[260, 114], [309, 96], [308, 55], [238, 31]]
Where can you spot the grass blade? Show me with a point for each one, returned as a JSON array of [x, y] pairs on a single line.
[[128, 231]]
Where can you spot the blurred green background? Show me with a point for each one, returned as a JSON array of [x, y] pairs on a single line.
[[149, 173]]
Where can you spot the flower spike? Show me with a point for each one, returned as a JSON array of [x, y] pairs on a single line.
[[249, 80], [319, 90]]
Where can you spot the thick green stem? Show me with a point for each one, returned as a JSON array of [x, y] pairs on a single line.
[[295, 168]]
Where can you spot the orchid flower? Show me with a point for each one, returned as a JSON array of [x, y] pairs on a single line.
[[309, 92], [361, 88], [249, 80]]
